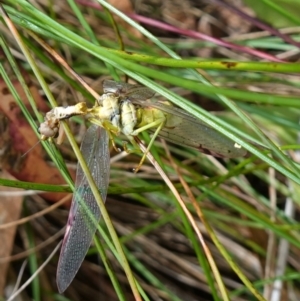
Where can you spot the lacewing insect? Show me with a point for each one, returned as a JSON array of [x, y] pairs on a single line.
[[126, 109]]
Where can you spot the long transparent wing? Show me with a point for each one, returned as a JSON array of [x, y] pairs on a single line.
[[184, 129], [132, 92], [84, 213]]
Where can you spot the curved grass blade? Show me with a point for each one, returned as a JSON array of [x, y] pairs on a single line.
[[84, 213]]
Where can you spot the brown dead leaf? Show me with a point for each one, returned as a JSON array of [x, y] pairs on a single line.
[[10, 210], [20, 138]]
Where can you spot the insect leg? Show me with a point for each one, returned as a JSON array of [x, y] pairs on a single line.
[[160, 125], [153, 124], [112, 130]]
